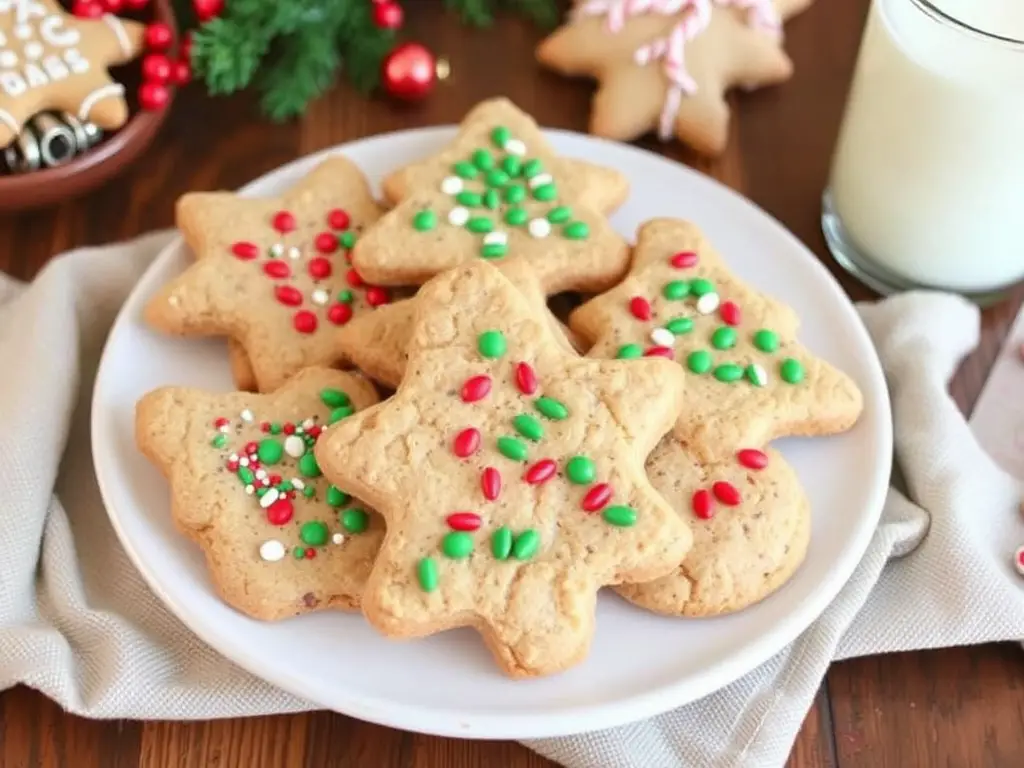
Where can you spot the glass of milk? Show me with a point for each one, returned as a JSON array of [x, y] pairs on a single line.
[[927, 182]]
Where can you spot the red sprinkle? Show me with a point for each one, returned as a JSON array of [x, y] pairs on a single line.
[[283, 221], [288, 428], [490, 482], [274, 479], [353, 278], [245, 250], [338, 219], [254, 446], [466, 443], [339, 313], [701, 503], [278, 269], [288, 295], [319, 268], [726, 493], [659, 352], [232, 465], [730, 312], [304, 321], [640, 307], [219, 422], [326, 242], [597, 497], [314, 431], [476, 388], [526, 378], [310, 553], [751, 458], [464, 521], [264, 427], [684, 260], [375, 296], [280, 512], [541, 472]]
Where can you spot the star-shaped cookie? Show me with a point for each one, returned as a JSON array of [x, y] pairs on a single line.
[[279, 539], [499, 192], [667, 65], [510, 475], [50, 59], [749, 380], [273, 273]]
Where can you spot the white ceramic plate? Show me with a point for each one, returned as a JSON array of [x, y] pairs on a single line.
[[640, 664]]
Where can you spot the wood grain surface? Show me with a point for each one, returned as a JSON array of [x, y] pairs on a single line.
[[959, 707]]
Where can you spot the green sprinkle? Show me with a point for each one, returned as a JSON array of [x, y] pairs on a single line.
[[284, 486], [497, 178], [580, 470], [480, 225], [526, 545], [332, 398], [620, 515], [551, 408], [493, 250], [699, 361], [757, 375], [500, 136], [516, 217], [340, 413], [269, 451], [261, 492], [347, 240], [246, 475], [424, 221], [465, 170], [560, 214], [629, 352], [314, 533], [515, 193], [578, 230], [469, 199], [457, 545], [680, 325], [512, 165], [527, 426], [483, 160], [700, 286], [355, 520], [426, 572], [675, 290], [308, 466], [723, 338], [766, 341], [491, 199], [337, 497], [309, 491], [729, 372], [219, 441], [491, 344], [791, 371], [532, 168], [298, 553], [346, 296], [275, 428], [512, 448], [501, 543], [545, 193]]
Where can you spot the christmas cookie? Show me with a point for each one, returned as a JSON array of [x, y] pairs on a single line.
[[273, 273], [279, 539], [241, 368], [749, 380], [499, 193], [667, 64], [510, 474], [751, 524], [50, 59]]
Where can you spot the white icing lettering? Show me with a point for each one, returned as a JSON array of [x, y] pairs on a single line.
[[33, 50], [76, 61], [8, 59], [12, 83], [28, 9], [55, 68], [53, 31], [23, 31], [35, 76]]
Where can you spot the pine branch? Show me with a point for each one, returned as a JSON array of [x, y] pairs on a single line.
[[477, 13], [543, 13], [363, 46]]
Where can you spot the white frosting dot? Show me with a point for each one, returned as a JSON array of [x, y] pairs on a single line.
[[261, 474], [540, 180], [249, 489], [277, 250], [539, 227], [272, 550], [33, 50], [224, 428], [297, 484], [758, 375], [308, 423], [458, 216], [294, 446], [247, 416], [515, 147], [708, 303], [320, 296], [663, 337], [338, 538], [233, 457], [269, 498], [8, 59], [243, 462], [452, 185], [294, 253], [23, 31], [496, 238]]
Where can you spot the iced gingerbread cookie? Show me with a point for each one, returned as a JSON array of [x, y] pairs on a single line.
[[751, 525], [273, 273], [667, 64], [279, 539], [241, 368], [498, 192], [749, 379], [50, 59], [510, 474]]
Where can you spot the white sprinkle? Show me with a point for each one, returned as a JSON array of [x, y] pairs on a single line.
[[23, 31], [8, 59], [225, 428], [299, 430], [338, 538], [294, 446], [496, 238], [277, 250], [1018, 560], [540, 180], [539, 228], [452, 185], [757, 374], [707, 303], [320, 296], [294, 252], [515, 147], [663, 337], [261, 474], [308, 423], [243, 462], [250, 490], [297, 484], [246, 415], [272, 550], [269, 498], [458, 216], [33, 50], [233, 457]]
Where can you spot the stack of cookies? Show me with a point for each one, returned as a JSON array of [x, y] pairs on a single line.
[[424, 441]]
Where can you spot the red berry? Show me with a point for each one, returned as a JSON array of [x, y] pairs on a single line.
[[541, 472], [245, 250], [181, 72], [326, 242], [338, 219], [684, 260], [702, 505], [112, 6], [207, 9], [153, 96], [466, 443], [597, 497], [751, 458], [283, 221], [726, 493], [158, 36], [280, 512], [277, 269], [87, 9], [304, 321], [185, 49], [288, 295], [640, 307], [156, 68], [388, 15], [353, 278], [490, 483], [463, 521], [375, 296], [339, 313], [526, 379], [319, 268], [476, 388]]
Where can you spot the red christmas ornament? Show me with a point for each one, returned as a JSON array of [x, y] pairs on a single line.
[[156, 68], [207, 9], [388, 15], [181, 73], [158, 36], [153, 96], [87, 9], [409, 72]]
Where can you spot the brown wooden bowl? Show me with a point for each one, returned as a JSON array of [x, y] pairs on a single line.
[[113, 154]]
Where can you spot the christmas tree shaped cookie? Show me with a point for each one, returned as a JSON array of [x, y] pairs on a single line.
[[510, 475], [749, 378], [279, 539], [497, 193], [273, 273], [667, 64]]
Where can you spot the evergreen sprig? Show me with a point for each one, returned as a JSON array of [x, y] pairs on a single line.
[[291, 50]]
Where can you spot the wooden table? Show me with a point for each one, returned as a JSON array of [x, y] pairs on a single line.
[[958, 707]]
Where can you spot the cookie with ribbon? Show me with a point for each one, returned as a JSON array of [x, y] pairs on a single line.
[[749, 380], [510, 475], [498, 192], [666, 65], [51, 60], [279, 539], [274, 273]]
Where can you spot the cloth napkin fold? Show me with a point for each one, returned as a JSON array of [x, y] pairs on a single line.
[[78, 623]]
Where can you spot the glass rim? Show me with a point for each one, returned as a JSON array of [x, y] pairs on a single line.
[[941, 16]]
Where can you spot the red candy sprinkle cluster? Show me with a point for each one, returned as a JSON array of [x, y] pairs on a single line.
[[725, 493]]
